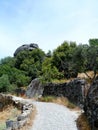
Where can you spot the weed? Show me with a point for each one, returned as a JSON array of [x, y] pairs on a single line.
[[82, 123]]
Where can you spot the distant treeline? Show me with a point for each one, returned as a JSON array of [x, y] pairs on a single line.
[[66, 61]]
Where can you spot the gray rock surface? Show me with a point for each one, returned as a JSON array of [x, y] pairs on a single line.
[[91, 105], [35, 88], [26, 47]]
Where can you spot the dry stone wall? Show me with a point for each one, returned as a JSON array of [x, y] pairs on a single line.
[[26, 108], [74, 90]]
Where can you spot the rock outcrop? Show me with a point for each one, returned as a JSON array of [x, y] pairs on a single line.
[[91, 105], [74, 90], [26, 47], [35, 89]]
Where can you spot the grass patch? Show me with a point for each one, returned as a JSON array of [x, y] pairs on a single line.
[[2, 125], [82, 123], [10, 112], [59, 100]]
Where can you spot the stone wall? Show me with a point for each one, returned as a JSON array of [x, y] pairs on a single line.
[[5, 100], [25, 106], [73, 90]]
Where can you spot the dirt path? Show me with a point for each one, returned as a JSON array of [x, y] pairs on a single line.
[[51, 116]]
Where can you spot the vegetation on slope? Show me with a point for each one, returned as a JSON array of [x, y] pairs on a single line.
[[65, 62]]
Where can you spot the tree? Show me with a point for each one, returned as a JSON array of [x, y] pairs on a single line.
[[30, 62], [62, 59], [92, 60], [86, 59], [8, 61], [93, 42], [49, 72], [49, 54]]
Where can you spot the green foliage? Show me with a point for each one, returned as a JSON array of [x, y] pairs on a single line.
[[2, 126], [49, 72], [93, 42], [49, 54], [4, 83], [22, 80], [63, 59], [8, 61], [66, 61], [79, 57], [47, 99], [15, 75], [30, 62]]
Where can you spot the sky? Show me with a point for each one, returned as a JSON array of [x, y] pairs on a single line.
[[46, 22]]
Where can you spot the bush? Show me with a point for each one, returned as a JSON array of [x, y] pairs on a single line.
[[4, 83]]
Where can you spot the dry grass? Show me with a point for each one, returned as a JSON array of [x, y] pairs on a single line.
[[62, 80], [82, 123], [9, 113], [83, 75], [59, 100]]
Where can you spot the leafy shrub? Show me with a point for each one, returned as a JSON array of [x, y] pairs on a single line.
[[4, 83]]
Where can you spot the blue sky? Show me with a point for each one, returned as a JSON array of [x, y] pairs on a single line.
[[46, 22]]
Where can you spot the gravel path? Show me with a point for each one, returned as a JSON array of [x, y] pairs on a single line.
[[52, 116]]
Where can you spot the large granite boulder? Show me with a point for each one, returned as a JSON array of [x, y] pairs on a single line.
[[91, 105], [35, 89], [26, 47]]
